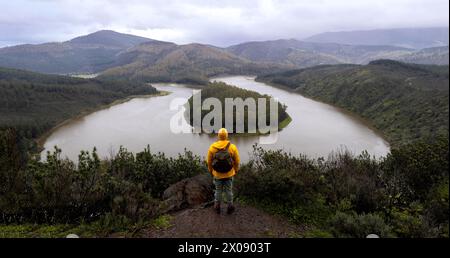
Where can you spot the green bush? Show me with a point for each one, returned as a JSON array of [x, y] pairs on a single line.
[[354, 225], [59, 191], [390, 193], [411, 223], [404, 194]]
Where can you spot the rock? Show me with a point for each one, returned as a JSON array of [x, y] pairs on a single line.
[[72, 236], [187, 193], [372, 236]]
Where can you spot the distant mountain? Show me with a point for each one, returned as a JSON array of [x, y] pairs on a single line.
[[435, 55], [405, 101], [127, 56], [417, 38], [291, 52], [192, 63], [111, 39], [306, 54], [86, 54]]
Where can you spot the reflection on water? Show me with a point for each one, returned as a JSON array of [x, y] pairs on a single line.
[[316, 128]]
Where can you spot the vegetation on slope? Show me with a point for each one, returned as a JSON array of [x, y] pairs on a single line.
[[221, 91], [405, 194], [406, 102], [402, 195], [303, 54], [192, 63], [33, 103], [434, 55]]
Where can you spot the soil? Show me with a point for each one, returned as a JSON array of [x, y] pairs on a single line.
[[245, 222]]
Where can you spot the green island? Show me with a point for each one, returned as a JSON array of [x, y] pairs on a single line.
[[221, 91]]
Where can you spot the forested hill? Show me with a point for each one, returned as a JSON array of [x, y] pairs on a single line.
[[405, 101], [191, 63], [222, 91], [33, 102]]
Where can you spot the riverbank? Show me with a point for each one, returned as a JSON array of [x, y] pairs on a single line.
[[42, 139], [313, 129], [401, 100], [356, 116]]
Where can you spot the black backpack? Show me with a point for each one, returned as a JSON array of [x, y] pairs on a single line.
[[222, 161]]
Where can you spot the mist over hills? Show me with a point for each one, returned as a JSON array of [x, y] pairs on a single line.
[[434, 55], [416, 38], [306, 54]]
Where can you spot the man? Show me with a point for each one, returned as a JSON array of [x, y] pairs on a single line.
[[223, 163]]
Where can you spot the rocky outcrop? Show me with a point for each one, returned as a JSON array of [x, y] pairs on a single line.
[[187, 193]]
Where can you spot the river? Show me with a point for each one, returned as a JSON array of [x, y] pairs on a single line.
[[316, 128]]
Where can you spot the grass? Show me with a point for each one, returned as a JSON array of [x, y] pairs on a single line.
[[162, 222], [45, 231]]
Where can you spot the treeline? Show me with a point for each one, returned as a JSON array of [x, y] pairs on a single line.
[[406, 102], [33, 102], [221, 91], [404, 194]]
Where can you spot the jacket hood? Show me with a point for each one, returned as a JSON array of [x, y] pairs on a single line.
[[220, 144]]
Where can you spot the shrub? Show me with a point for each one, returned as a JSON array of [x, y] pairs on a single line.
[[354, 179], [354, 225], [58, 191]]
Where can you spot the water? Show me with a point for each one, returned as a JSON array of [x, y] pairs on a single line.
[[316, 128]]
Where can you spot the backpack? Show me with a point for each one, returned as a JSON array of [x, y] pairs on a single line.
[[222, 161]]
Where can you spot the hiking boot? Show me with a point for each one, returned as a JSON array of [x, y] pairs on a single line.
[[230, 208], [217, 207]]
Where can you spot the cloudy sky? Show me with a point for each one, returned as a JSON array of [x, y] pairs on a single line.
[[213, 22]]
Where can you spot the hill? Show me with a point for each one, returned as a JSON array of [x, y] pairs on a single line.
[[435, 55], [306, 54], [86, 54], [405, 101], [221, 91], [111, 39], [192, 63], [118, 55], [33, 102], [281, 51], [417, 38]]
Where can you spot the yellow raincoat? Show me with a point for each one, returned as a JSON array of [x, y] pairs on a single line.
[[234, 155]]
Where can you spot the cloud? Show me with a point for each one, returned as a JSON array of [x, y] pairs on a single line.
[[213, 22]]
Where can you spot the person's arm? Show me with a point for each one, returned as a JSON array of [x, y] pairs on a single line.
[[209, 158], [236, 159]]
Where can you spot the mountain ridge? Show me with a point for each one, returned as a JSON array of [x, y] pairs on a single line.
[[85, 54], [416, 38], [116, 54]]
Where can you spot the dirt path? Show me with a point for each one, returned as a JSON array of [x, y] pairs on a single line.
[[244, 222]]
